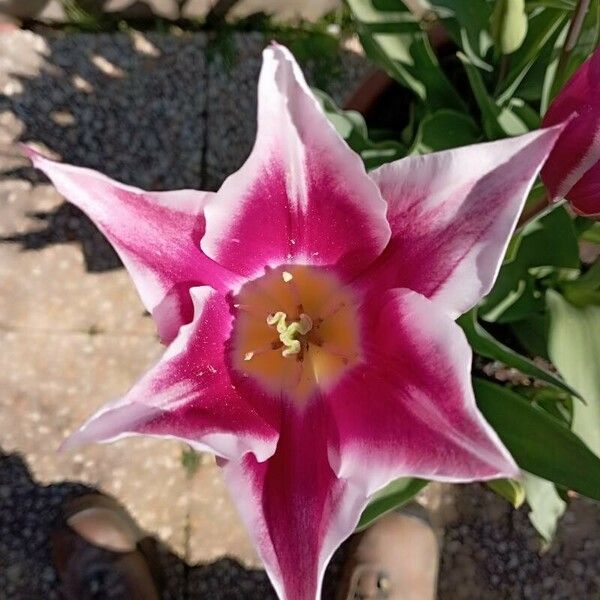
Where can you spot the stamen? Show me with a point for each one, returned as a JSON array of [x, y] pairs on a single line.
[[293, 287], [274, 345], [249, 309]]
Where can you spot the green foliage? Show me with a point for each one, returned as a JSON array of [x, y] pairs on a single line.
[[486, 345], [585, 44], [544, 27], [352, 127], [445, 129], [501, 65], [574, 347], [393, 37], [542, 251], [539, 443], [393, 496], [467, 22], [498, 121], [545, 503], [509, 50], [87, 15], [509, 489]]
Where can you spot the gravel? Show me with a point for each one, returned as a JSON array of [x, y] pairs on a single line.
[[492, 551]]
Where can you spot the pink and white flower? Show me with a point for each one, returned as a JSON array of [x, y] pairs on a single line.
[[309, 309], [573, 167]]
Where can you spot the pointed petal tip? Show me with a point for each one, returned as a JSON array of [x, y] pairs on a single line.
[[72, 442], [505, 465], [275, 46], [512, 471], [37, 157], [30, 152]]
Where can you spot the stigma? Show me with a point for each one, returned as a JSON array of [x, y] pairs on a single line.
[[289, 334]]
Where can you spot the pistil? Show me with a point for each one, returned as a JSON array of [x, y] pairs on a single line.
[[288, 333]]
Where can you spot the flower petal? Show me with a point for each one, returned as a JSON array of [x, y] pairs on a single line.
[[189, 395], [584, 196], [452, 214], [573, 170], [296, 509], [409, 410], [156, 234], [302, 196]]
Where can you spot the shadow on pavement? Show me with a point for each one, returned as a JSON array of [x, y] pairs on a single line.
[[130, 106], [30, 512]]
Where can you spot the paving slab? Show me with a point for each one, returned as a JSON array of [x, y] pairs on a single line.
[[44, 283], [51, 383], [214, 522]]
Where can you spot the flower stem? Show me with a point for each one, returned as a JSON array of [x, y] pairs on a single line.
[[572, 37], [536, 210]]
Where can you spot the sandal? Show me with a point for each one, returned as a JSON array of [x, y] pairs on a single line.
[[100, 552], [396, 558]]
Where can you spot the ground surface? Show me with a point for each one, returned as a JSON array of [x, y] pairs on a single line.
[[53, 11], [163, 112]]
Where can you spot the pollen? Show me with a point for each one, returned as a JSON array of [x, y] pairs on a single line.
[[296, 330]]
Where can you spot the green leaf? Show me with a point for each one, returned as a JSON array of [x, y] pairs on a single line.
[[486, 345], [467, 22], [526, 115], [509, 25], [590, 231], [549, 83], [445, 129], [539, 443], [511, 490], [514, 297], [560, 4], [574, 347], [392, 37], [550, 241], [532, 333], [393, 496], [556, 403], [545, 503], [586, 289], [498, 121], [544, 25], [352, 127]]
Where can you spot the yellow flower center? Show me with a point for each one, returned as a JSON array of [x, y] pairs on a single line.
[[296, 330]]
